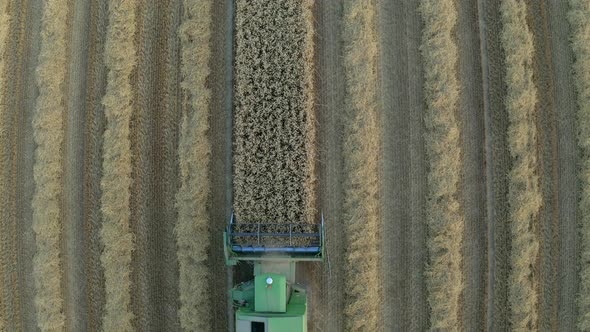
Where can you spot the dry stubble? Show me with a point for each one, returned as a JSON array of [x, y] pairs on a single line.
[[579, 17], [5, 19], [48, 131], [120, 59], [445, 281], [524, 192], [361, 157], [194, 153]]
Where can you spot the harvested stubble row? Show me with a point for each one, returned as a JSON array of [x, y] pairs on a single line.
[[4, 161], [579, 17], [274, 122], [361, 156], [120, 60], [48, 129], [445, 218], [194, 153], [524, 192]]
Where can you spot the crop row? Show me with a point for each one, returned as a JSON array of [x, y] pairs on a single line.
[[579, 17], [273, 133], [523, 192], [194, 153], [48, 132], [116, 235], [445, 219], [5, 19], [361, 148]]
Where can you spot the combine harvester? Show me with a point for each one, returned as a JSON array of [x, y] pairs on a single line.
[[273, 301]]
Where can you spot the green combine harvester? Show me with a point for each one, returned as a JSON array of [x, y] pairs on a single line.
[[273, 301]]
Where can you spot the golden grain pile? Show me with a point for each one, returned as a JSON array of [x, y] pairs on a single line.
[[579, 17], [120, 60], [192, 228], [445, 218], [361, 167], [524, 192], [273, 144]]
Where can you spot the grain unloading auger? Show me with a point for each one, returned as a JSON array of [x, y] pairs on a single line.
[[273, 301]]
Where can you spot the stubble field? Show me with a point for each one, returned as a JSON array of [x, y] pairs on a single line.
[[445, 142]]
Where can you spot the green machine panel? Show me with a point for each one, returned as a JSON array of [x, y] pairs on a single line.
[[288, 324], [270, 293], [294, 319], [271, 324]]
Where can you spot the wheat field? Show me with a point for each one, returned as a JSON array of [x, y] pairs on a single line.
[[445, 143]]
